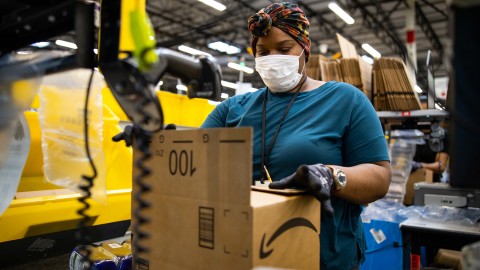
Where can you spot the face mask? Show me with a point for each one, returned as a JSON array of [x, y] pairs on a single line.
[[279, 72]]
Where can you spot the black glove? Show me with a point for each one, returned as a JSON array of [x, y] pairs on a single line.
[[127, 135], [416, 165], [133, 131], [170, 126], [315, 179]]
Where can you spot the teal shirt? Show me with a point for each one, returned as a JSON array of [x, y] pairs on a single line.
[[333, 124]]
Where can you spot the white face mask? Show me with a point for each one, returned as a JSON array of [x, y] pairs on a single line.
[[279, 72]]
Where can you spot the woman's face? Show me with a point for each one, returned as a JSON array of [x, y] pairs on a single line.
[[278, 42]]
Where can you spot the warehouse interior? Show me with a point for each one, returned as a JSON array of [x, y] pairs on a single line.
[[74, 198]]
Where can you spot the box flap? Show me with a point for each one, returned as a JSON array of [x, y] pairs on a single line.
[[188, 162], [286, 192]]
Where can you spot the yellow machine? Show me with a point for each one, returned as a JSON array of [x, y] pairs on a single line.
[[43, 218]]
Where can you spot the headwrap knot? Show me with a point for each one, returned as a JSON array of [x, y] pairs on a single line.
[[260, 24], [287, 17]]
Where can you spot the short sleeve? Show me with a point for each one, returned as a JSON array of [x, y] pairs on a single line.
[[364, 141], [218, 117]]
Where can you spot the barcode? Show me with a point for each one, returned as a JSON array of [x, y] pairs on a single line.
[[206, 233], [378, 236]]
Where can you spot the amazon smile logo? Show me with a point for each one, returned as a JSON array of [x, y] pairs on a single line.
[[290, 224]]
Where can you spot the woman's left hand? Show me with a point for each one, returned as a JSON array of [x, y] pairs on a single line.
[[315, 179]]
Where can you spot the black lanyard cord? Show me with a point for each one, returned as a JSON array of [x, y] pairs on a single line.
[[264, 159]]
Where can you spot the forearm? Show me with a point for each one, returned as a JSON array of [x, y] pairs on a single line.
[[437, 166], [434, 166], [365, 182]]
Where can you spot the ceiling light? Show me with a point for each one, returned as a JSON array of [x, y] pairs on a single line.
[[240, 67], [371, 50], [24, 52], [367, 59], [192, 51], [323, 48], [229, 85], [341, 13], [41, 44], [181, 87], [224, 95], [214, 4], [418, 89], [224, 47], [95, 51], [67, 44]]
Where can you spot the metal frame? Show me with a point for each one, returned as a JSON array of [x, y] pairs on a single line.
[[326, 25], [427, 28], [386, 35], [195, 24]]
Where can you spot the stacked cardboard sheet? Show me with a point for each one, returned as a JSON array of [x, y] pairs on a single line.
[[313, 66], [331, 70], [351, 72], [350, 68], [393, 90], [366, 77]]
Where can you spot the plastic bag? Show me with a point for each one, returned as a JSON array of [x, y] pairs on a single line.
[[436, 213], [62, 101], [385, 210], [17, 91], [413, 136], [11, 169]]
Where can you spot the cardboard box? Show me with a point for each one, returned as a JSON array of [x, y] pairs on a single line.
[[448, 259], [204, 215], [420, 175]]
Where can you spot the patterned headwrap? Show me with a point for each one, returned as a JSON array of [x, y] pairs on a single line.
[[287, 17]]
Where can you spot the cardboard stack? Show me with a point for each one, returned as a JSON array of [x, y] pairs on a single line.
[[392, 89], [204, 215], [350, 69], [366, 77], [330, 70], [313, 66], [351, 72], [349, 64]]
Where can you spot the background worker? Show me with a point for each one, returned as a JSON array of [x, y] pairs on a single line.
[[434, 154]]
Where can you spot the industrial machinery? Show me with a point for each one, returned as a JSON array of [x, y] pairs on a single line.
[[131, 65]]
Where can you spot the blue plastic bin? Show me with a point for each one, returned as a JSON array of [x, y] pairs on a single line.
[[384, 246]]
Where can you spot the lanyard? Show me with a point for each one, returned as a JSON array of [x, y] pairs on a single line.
[[264, 159]]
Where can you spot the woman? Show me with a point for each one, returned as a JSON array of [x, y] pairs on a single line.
[[297, 120]]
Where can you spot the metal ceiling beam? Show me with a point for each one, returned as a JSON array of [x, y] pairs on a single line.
[[382, 30], [194, 32], [326, 25], [375, 2], [427, 29], [162, 15], [387, 15], [435, 8]]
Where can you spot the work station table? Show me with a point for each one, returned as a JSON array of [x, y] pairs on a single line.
[[421, 236]]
